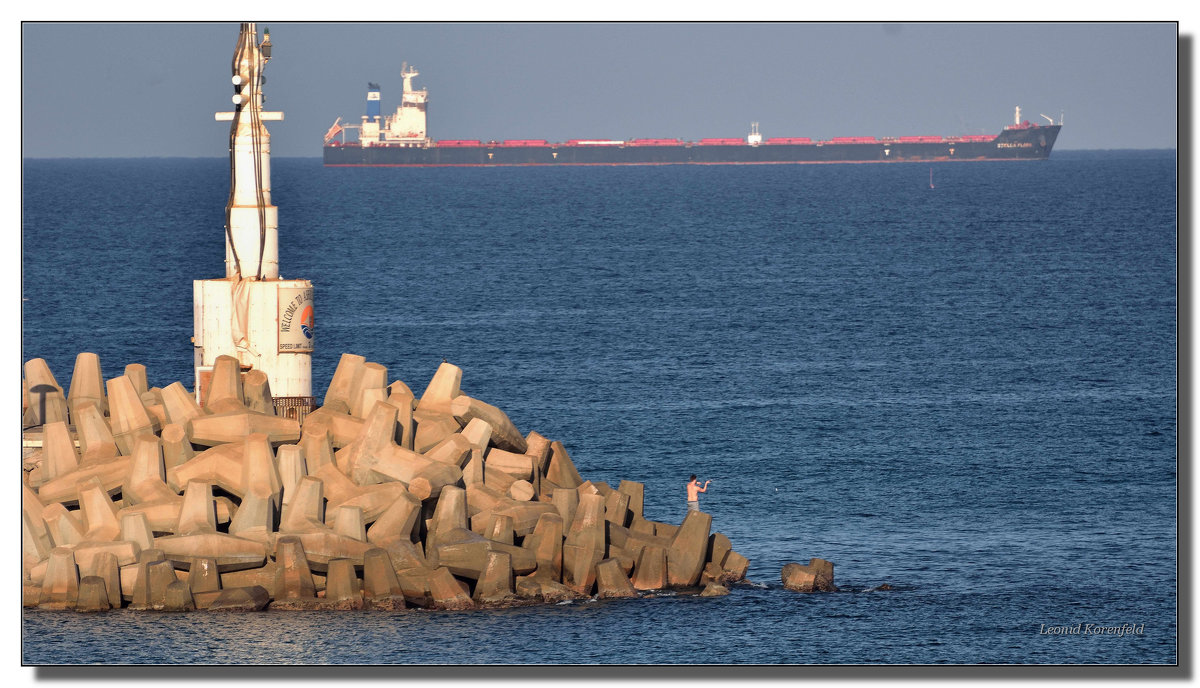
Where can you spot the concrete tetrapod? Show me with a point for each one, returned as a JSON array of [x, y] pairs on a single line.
[[437, 500], [64, 489], [650, 573], [256, 392], [87, 384], [60, 586], [135, 527], [735, 567], [323, 546], [341, 491], [235, 425], [546, 544], [63, 528], [345, 379], [686, 555], [465, 553], [198, 537], [179, 405], [147, 474], [432, 428], [455, 450], [611, 581], [35, 537], [406, 426], [442, 389], [128, 414], [381, 587], [225, 384], [104, 566], [447, 592], [93, 596], [292, 467], [150, 588], [340, 429], [585, 545], [370, 385], [176, 447], [495, 585], [203, 575], [178, 597], [294, 587], [561, 470], [397, 522], [504, 434], [59, 456], [260, 474], [136, 372], [343, 590], [96, 441]]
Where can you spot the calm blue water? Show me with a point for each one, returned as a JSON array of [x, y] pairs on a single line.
[[967, 392]]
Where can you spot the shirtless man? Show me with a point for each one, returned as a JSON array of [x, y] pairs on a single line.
[[694, 490]]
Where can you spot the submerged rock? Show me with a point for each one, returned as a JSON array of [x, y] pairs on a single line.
[[815, 576]]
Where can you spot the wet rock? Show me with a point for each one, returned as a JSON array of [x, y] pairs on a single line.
[[816, 576], [244, 599], [734, 568]]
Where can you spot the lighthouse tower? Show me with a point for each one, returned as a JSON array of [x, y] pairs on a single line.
[[251, 314]]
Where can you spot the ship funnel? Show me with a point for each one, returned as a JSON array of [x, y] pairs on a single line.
[[373, 111]]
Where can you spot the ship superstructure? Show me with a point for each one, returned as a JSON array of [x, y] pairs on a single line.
[[401, 140], [405, 128]]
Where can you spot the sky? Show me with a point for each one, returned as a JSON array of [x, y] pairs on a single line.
[[151, 89]]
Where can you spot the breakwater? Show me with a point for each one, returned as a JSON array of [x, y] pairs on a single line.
[[141, 497]]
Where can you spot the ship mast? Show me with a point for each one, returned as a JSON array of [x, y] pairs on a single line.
[[408, 73]]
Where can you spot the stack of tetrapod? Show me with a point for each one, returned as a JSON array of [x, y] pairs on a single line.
[[139, 496]]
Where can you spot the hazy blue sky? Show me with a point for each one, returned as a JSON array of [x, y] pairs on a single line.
[[133, 90]]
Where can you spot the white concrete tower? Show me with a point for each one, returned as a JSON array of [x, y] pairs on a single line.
[[263, 321], [252, 223]]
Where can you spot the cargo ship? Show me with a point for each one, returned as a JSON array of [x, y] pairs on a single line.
[[399, 140]]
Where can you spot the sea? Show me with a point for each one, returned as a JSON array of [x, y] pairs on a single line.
[[959, 380]]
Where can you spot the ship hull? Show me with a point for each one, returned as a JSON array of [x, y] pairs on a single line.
[[1029, 143]]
